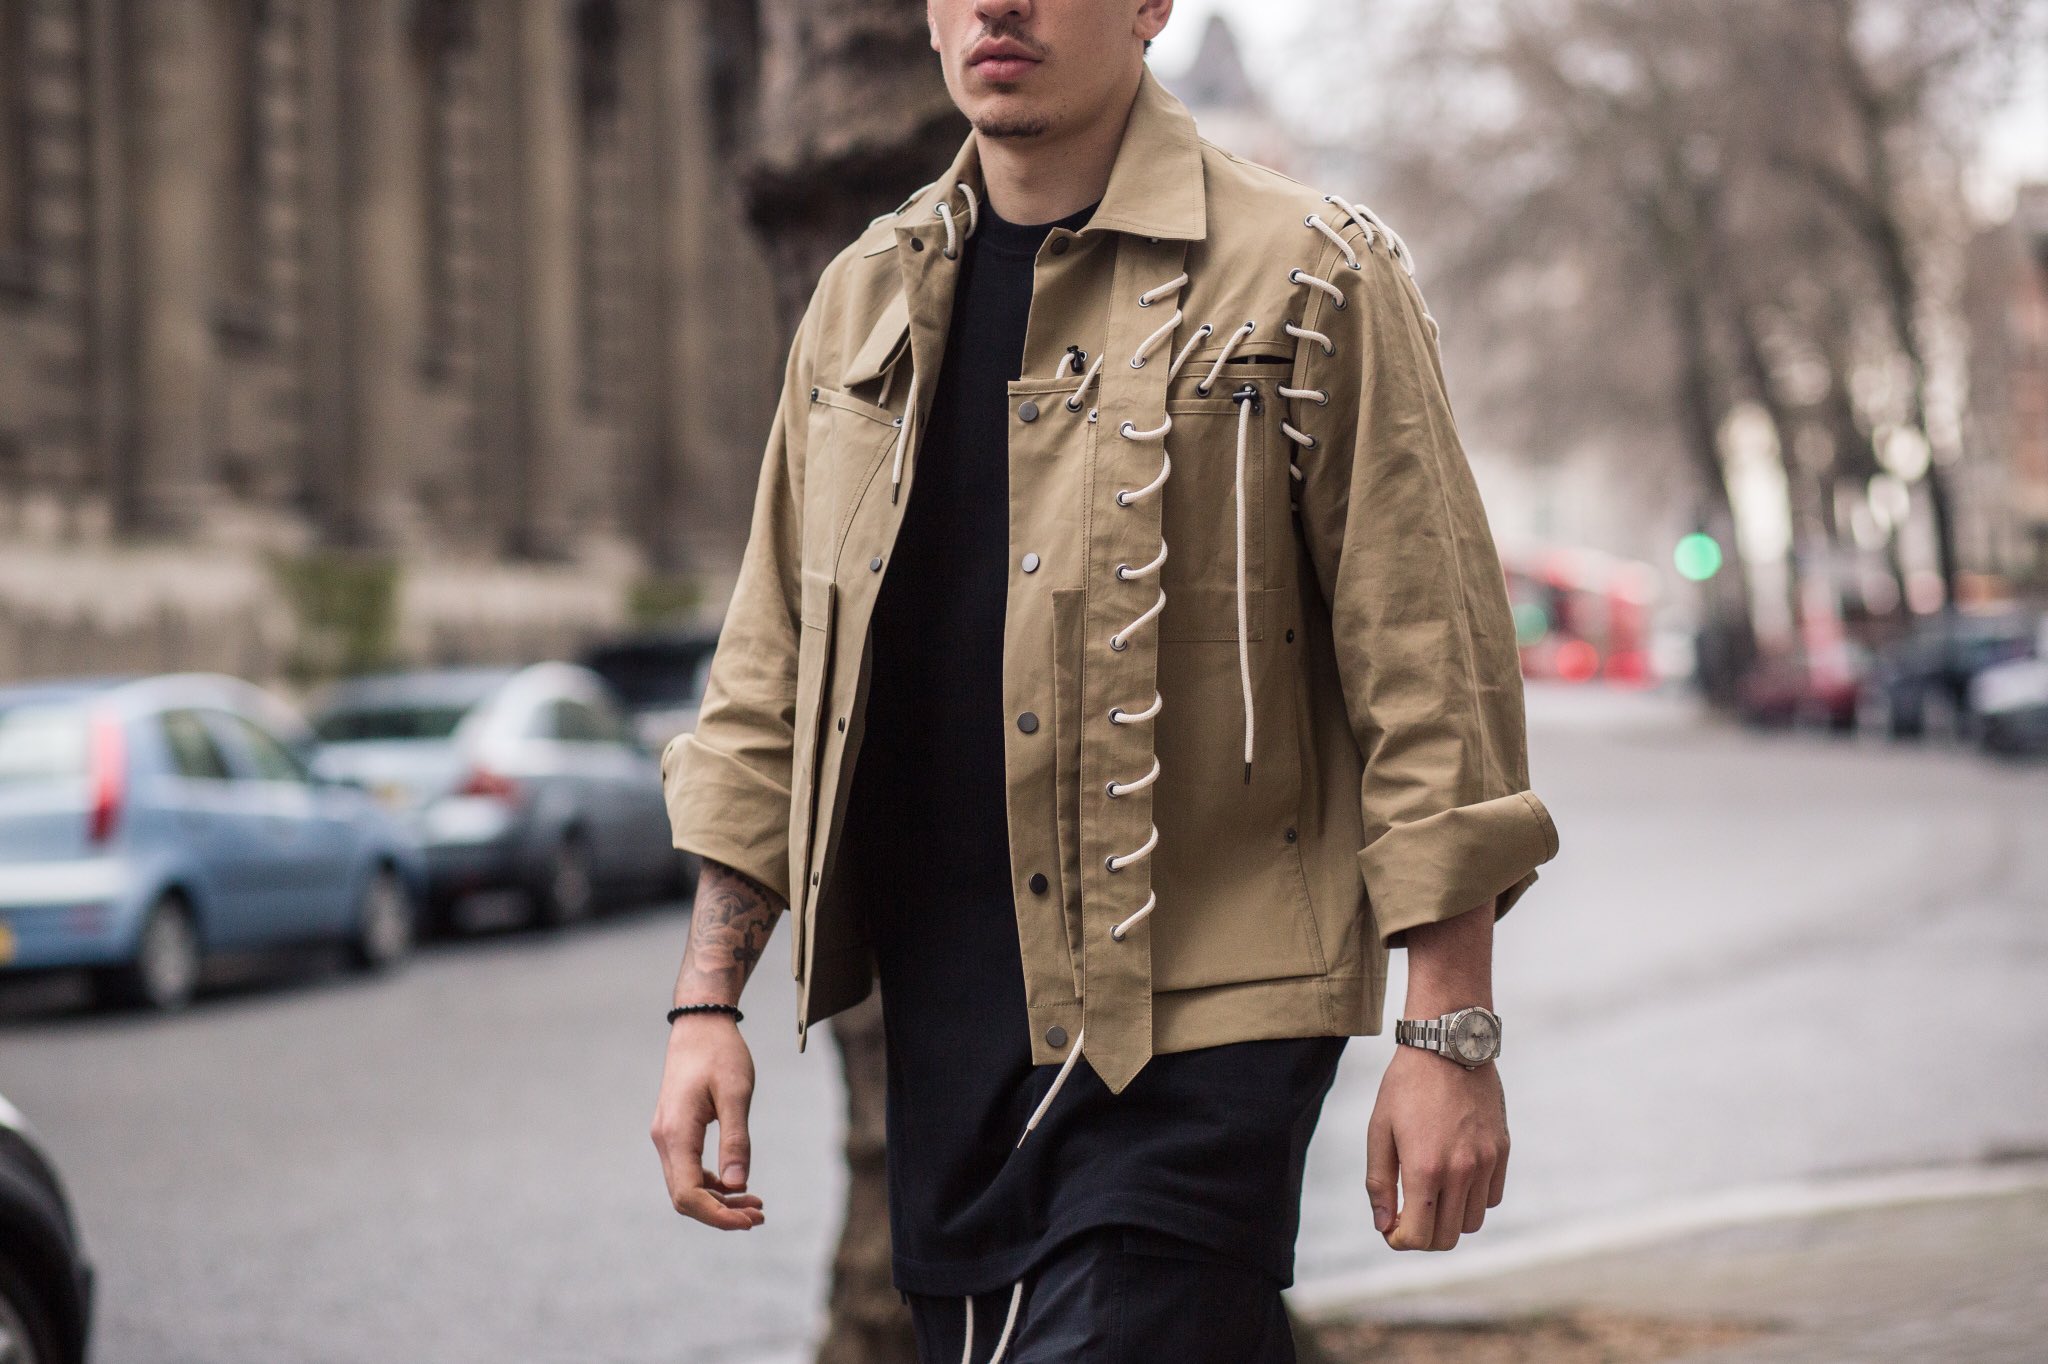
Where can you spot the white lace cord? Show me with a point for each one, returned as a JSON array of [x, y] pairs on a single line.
[[1244, 656], [1316, 222], [1009, 1325], [1045, 1104], [1201, 333], [944, 212], [1375, 225], [1074, 402], [1310, 334], [1117, 934], [1319, 396], [908, 419], [1166, 329], [1223, 357]]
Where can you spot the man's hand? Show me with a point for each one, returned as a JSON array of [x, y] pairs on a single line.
[[709, 1073], [1441, 1132], [708, 1077]]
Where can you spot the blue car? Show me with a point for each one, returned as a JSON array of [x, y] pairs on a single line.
[[148, 822]]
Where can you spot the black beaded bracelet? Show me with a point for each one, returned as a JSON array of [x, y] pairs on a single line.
[[681, 1009]]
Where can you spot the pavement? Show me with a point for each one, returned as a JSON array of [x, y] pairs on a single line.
[[1942, 1266], [1759, 962]]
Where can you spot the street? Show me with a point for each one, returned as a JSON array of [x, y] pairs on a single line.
[[1756, 957]]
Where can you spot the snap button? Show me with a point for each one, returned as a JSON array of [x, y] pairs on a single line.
[[1059, 246], [1290, 835], [1055, 1036], [1028, 722], [1031, 563], [814, 878], [814, 395], [1290, 636], [1028, 412], [842, 724], [917, 243], [875, 564], [1038, 883]]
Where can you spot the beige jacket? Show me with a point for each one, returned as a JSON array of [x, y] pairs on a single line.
[[1236, 769]]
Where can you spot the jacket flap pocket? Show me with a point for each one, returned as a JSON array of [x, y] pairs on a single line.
[[879, 351]]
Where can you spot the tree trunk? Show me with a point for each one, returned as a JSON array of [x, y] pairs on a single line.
[[836, 113]]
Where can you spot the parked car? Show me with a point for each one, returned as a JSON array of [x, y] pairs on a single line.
[[2010, 701], [1923, 681], [525, 779], [659, 677], [148, 822], [46, 1281], [1799, 686]]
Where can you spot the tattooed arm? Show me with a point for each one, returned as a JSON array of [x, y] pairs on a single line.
[[729, 927], [709, 1074]]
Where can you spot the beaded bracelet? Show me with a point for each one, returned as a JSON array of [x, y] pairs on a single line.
[[681, 1009]]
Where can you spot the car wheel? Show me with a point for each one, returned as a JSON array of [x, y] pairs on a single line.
[[567, 892], [384, 922], [165, 972], [27, 1336]]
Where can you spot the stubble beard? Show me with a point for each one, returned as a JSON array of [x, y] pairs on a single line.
[[1011, 125]]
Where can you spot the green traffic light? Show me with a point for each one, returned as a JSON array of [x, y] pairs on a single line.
[[1698, 556]]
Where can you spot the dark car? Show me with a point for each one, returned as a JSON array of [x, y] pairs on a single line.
[[1820, 687], [660, 678], [45, 1279], [146, 823], [513, 779], [1923, 681]]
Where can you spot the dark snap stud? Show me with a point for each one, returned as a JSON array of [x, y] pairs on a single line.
[[917, 243], [1028, 722], [1290, 835], [1055, 1036], [1028, 412], [842, 724], [814, 395], [1038, 883], [1059, 246], [875, 564], [1290, 636]]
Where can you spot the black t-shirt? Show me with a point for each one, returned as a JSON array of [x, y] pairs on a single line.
[[1205, 1145]]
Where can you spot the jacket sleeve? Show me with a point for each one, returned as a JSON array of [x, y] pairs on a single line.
[[1424, 638], [727, 785]]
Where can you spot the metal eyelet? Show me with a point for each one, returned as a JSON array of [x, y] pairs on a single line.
[[1121, 500], [1110, 862], [1138, 362], [1115, 714], [1125, 431], [1113, 792], [1118, 647], [1120, 572], [1073, 406], [1144, 302], [1203, 388], [1330, 350]]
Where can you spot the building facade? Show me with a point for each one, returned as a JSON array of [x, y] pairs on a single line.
[[462, 281]]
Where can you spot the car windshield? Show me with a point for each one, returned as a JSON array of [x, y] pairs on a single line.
[[389, 722], [40, 743]]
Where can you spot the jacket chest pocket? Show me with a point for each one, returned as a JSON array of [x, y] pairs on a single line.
[[1201, 508], [847, 441]]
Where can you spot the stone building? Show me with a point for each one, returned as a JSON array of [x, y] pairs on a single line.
[[457, 280], [2006, 307]]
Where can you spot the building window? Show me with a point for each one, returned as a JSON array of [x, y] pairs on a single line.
[[601, 244], [15, 167], [242, 305], [444, 42]]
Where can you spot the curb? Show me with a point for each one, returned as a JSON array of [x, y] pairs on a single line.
[[1339, 1295]]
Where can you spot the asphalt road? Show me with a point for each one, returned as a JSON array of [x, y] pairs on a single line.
[[1755, 958]]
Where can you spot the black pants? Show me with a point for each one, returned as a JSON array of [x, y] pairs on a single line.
[[1118, 1295]]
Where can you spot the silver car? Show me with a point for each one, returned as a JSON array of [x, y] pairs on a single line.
[[528, 779]]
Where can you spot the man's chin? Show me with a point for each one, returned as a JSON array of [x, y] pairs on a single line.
[[1011, 124]]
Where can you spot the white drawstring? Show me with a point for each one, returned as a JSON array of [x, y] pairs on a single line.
[[1117, 933], [1118, 788], [1244, 656], [1300, 276], [1074, 402], [1152, 341], [1009, 1325], [1350, 256], [1152, 296], [1173, 371], [908, 419], [1307, 334], [1223, 357]]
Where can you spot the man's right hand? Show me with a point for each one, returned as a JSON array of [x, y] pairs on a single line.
[[708, 1077]]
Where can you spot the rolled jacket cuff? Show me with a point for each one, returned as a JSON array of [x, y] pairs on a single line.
[[1439, 867], [719, 808]]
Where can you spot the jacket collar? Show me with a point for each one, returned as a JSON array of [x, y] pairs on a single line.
[[1155, 186]]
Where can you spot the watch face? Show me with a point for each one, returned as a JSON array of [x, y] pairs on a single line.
[[1474, 1038]]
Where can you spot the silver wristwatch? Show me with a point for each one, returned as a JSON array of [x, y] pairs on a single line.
[[1471, 1037]]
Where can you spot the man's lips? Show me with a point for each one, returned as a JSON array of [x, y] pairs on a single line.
[[1000, 60]]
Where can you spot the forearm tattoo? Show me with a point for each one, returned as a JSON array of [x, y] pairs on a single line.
[[729, 928]]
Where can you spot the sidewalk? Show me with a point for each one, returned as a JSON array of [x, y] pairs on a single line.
[[1878, 1273]]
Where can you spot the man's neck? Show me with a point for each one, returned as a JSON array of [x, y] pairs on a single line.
[[1043, 179]]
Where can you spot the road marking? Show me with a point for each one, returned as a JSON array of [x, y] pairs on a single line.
[[1339, 1295]]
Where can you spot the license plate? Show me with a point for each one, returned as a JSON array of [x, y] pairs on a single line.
[[6, 944]]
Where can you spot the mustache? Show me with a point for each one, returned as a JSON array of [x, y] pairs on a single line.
[[1012, 30]]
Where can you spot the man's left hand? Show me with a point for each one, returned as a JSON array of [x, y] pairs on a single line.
[[1441, 1131]]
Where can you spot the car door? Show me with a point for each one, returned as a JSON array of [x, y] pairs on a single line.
[[307, 845], [593, 766], [219, 823], [631, 776]]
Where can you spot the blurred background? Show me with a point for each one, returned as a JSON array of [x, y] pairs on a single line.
[[382, 392]]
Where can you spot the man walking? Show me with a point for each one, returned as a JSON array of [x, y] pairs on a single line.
[[1119, 665]]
